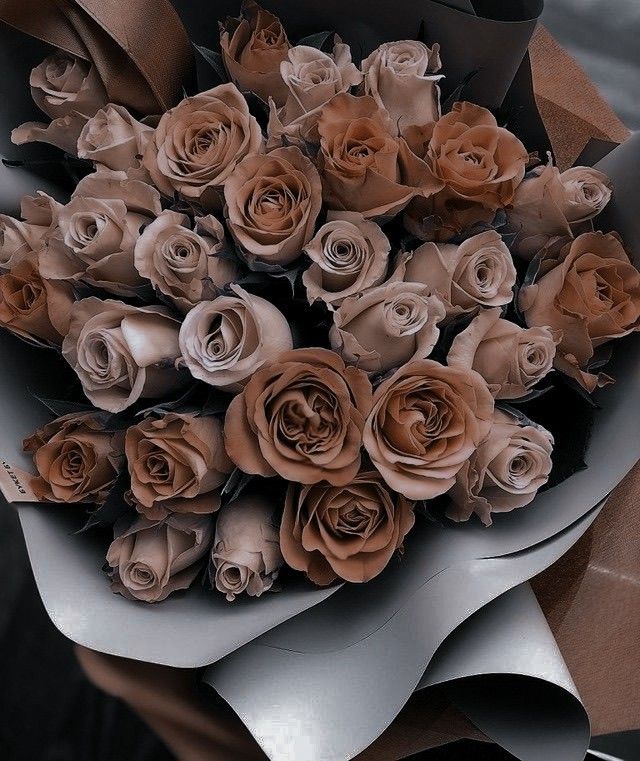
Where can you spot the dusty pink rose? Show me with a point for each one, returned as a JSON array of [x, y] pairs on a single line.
[[114, 139], [20, 240]]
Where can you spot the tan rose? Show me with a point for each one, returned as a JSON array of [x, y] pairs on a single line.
[[504, 473], [22, 240], [477, 273], [225, 341], [174, 459], [272, 203], [114, 139], [68, 90], [301, 418], [76, 459], [98, 230], [365, 167], [550, 204], [149, 560], [511, 359], [122, 353], [183, 263], [253, 47], [590, 291], [312, 79], [197, 145], [348, 255], [33, 307], [402, 77], [246, 557], [386, 327], [426, 421], [349, 532]]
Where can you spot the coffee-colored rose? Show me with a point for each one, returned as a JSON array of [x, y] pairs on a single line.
[[76, 459], [197, 145], [426, 421], [301, 418], [511, 359], [348, 255], [477, 273], [18, 241], [272, 203], [253, 48], [149, 560], [402, 77], [312, 79], [114, 139], [33, 307], [184, 263], [365, 167], [122, 353], [504, 473], [386, 327], [246, 557], [98, 230], [68, 90], [590, 291], [225, 341], [349, 532]]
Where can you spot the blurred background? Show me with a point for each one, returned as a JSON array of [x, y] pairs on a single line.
[[48, 711]]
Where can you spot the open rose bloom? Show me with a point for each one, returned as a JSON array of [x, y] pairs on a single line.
[[331, 325]]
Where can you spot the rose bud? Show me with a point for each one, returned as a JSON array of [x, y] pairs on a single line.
[[386, 327], [68, 90], [253, 47], [272, 203], [33, 307], [402, 77], [183, 263], [225, 341], [197, 145], [150, 560], [122, 353], [76, 459], [477, 273], [300, 418], [176, 457], [114, 139], [511, 359], [312, 78], [349, 532], [426, 421], [246, 556], [349, 254], [504, 473]]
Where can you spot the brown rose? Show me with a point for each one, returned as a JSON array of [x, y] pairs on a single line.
[[402, 77], [149, 560], [426, 421], [76, 459], [68, 90], [253, 47], [301, 418], [349, 532], [312, 79], [272, 203], [511, 359], [477, 273], [365, 167], [386, 327], [183, 263], [197, 145], [174, 459], [348, 255], [590, 291], [122, 353], [225, 341], [33, 307], [504, 473], [114, 139]]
